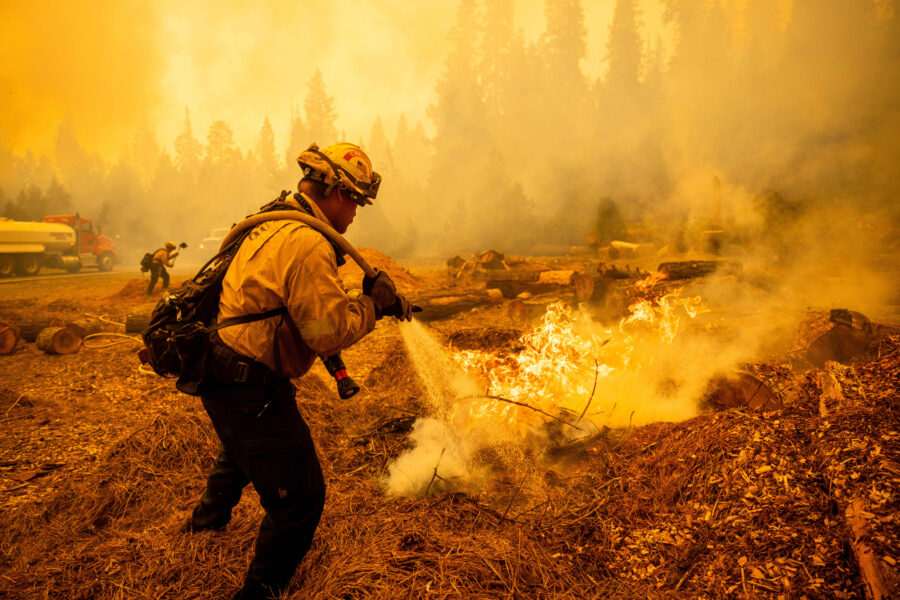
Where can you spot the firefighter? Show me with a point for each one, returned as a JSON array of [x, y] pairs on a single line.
[[162, 258], [248, 393]]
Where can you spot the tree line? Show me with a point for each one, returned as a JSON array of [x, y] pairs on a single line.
[[793, 114]]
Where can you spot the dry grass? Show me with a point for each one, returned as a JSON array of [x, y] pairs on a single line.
[[729, 504]]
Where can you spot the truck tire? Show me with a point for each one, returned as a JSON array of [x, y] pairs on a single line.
[[7, 265], [73, 268], [105, 261], [28, 264]]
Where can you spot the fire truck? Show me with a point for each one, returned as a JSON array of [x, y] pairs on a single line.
[[59, 242]]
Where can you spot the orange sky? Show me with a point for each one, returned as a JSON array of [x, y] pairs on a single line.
[[108, 66]]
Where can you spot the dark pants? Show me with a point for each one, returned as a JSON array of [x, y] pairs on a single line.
[[264, 442], [157, 271]]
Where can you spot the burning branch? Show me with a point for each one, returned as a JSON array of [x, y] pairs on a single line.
[[502, 399], [593, 389], [435, 475]]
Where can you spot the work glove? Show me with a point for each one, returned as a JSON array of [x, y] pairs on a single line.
[[402, 309], [382, 291], [388, 303]]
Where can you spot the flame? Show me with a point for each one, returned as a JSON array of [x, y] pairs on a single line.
[[563, 359], [649, 281]]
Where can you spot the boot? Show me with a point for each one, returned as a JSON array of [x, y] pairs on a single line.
[[253, 590]]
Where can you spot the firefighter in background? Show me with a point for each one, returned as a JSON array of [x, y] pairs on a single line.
[[291, 269], [162, 258]]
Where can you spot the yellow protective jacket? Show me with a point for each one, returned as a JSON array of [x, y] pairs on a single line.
[[161, 257], [287, 263]]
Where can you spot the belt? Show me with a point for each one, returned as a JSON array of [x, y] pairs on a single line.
[[229, 366]]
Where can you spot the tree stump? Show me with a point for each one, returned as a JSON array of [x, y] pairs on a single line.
[[137, 322], [9, 337], [59, 340]]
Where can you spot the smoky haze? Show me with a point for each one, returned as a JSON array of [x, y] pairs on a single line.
[[519, 126]]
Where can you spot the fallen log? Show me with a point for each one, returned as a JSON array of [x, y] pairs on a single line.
[[59, 340], [9, 337], [87, 326], [869, 569], [511, 275], [511, 289], [839, 335], [136, 322], [611, 271], [442, 307], [630, 249], [29, 331], [690, 269], [572, 283]]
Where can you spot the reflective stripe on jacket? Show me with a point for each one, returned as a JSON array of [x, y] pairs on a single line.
[[287, 263]]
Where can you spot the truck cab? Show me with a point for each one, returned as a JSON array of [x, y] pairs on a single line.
[[91, 247]]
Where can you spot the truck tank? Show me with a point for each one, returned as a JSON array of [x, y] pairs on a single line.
[[28, 236]]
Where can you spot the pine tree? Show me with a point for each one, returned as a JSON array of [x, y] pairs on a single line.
[[379, 150], [144, 152], [220, 147], [460, 126], [187, 149], [320, 112], [299, 138], [498, 41], [265, 152], [623, 51], [565, 45]]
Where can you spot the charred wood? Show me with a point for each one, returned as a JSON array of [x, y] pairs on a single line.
[[690, 269]]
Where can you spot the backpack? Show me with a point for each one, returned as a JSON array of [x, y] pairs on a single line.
[[146, 262], [177, 340]]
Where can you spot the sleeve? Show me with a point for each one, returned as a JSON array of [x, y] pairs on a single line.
[[328, 320], [168, 260]]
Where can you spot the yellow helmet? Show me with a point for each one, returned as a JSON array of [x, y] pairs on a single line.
[[343, 164], [171, 245]]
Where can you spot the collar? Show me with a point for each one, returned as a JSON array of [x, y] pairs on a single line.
[[306, 204]]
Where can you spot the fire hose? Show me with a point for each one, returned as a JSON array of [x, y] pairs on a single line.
[[346, 386]]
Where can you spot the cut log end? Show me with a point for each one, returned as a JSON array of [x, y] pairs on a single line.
[[59, 340], [137, 322], [9, 337]]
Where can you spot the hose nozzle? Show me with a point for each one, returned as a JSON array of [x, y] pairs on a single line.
[[337, 369]]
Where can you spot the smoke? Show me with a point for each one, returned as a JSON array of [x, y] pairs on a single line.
[[96, 65]]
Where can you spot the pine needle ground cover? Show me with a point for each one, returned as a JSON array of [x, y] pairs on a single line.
[[100, 465]]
